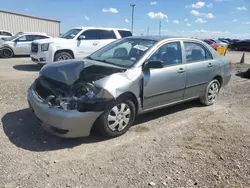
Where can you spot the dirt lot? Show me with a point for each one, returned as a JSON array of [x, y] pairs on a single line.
[[183, 146]]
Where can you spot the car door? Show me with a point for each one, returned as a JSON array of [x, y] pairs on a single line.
[[199, 68], [22, 45], [165, 85], [87, 43], [106, 37]]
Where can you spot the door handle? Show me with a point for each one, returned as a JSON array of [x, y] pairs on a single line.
[[209, 65], [95, 43], [181, 70]]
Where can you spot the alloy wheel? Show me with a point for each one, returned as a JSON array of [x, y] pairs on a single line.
[[63, 57]]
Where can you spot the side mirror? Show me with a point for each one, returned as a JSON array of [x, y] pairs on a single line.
[[155, 64], [81, 37]]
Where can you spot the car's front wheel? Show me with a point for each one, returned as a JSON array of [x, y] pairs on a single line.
[[117, 118], [211, 93], [63, 56], [7, 53]]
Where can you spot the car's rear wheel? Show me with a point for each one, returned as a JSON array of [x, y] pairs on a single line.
[[211, 93], [63, 56], [7, 53], [117, 118]]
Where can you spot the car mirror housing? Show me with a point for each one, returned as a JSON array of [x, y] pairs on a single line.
[[82, 37], [155, 64]]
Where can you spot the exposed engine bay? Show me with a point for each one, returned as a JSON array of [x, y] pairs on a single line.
[[81, 95]]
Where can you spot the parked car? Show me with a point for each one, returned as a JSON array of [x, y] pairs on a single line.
[[241, 45], [4, 34], [220, 43], [214, 45], [76, 43], [128, 77], [19, 44]]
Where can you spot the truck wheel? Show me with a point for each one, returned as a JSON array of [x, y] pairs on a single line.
[[63, 56], [7, 53], [117, 118], [211, 93]]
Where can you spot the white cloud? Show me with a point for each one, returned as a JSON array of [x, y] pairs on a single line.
[[210, 5], [112, 10], [241, 8], [197, 5], [200, 20], [157, 15], [186, 20], [86, 18], [247, 23], [167, 21], [188, 24], [195, 12], [210, 15], [234, 20], [126, 20], [175, 22], [153, 3]]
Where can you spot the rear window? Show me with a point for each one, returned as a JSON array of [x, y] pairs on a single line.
[[125, 33]]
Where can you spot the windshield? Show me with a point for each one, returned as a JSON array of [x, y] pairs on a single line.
[[70, 34], [124, 52]]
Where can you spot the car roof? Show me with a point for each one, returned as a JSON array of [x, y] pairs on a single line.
[[31, 33], [159, 38], [104, 28]]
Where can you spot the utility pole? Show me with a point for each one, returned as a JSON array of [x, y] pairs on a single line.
[[132, 23], [148, 31], [160, 28]]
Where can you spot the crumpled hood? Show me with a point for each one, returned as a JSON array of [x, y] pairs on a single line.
[[51, 40], [84, 70]]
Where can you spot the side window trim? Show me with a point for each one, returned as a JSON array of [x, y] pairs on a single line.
[[164, 43], [202, 46]]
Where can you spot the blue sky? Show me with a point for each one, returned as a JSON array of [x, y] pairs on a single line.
[[202, 18]]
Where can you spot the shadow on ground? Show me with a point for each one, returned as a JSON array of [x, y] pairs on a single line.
[[23, 131], [28, 67]]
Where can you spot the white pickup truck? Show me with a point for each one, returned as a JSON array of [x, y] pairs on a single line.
[[76, 43]]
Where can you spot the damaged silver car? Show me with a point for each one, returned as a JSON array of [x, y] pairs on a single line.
[[128, 77]]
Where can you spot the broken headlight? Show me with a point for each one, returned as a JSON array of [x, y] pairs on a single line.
[[80, 93]]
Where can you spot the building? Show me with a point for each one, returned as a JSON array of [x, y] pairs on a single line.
[[15, 22]]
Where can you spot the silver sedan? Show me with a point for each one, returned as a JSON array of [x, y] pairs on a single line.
[[128, 77]]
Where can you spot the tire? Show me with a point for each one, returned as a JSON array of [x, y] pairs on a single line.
[[7, 53], [61, 56], [211, 93], [109, 123]]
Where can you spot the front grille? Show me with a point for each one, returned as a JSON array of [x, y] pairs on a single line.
[[34, 47]]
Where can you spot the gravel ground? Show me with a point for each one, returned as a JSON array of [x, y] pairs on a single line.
[[183, 146]]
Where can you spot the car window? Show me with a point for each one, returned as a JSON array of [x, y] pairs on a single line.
[[91, 34], [196, 52], [37, 37], [25, 38], [106, 34], [169, 53], [6, 33], [125, 33]]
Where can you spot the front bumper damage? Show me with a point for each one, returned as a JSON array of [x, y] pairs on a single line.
[[68, 124]]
